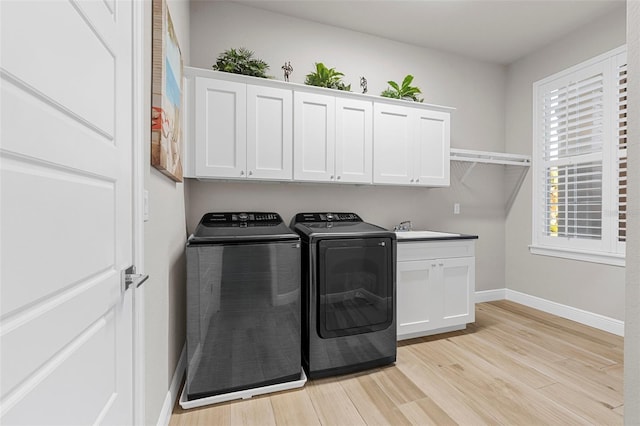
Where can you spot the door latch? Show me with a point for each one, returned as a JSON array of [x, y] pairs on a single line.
[[131, 279]]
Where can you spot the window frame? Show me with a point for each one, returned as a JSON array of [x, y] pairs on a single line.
[[608, 249]]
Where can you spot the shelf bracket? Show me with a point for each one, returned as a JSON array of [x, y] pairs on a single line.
[[497, 158], [468, 172]]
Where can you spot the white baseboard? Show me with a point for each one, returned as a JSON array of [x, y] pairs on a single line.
[[490, 295], [591, 319], [174, 388]]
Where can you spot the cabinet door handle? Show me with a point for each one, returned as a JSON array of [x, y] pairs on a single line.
[[338, 178], [241, 172], [417, 180], [411, 180], [440, 264], [331, 177], [250, 173]]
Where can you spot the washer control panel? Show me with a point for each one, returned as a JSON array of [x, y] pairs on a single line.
[[241, 218]]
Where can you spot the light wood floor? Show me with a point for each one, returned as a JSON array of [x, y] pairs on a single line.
[[513, 366]]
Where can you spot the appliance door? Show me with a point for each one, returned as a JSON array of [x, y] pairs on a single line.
[[355, 286], [243, 316]]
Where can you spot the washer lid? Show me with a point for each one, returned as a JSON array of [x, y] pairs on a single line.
[[241, 227]]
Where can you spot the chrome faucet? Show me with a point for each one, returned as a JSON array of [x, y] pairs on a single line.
[[403, 226]]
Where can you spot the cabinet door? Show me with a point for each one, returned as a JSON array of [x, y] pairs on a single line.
[[457, 305], [354, 141], [414, 280], [314, 132], [432, 148], [220, 122], [269, 133], [393, 144]]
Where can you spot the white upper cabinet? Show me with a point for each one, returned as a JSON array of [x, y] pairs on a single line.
[[333, 138], [269, 133], [220, 128], [242, 131], [314, 135], [432, 139], [393, 145], [354, 141], [239, 127], [411, 145]]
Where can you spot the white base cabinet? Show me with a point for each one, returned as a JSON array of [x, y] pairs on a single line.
[[435, 286]]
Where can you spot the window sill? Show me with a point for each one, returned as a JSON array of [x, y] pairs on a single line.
[[584, 256]]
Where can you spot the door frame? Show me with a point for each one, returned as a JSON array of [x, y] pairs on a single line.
[[140, 134]]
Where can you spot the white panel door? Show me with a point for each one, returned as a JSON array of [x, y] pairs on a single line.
[[354, 141], [221, 128], [314, 132], [414, 293], [66, 213], [458, 287], [269, 133], [393, 144], [432, 144]]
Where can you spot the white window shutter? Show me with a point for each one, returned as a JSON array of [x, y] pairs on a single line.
[[622, 148], [580, 161], [572, 140]]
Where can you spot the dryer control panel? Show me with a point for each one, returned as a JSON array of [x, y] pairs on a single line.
[[327, 217]]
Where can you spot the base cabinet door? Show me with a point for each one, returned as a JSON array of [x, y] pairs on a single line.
[[414, 279], [457, 278], [434, 294]]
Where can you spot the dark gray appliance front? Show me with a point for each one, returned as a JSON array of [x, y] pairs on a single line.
[[243, 314], [348, 297]]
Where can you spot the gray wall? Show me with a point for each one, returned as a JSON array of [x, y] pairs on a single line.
[[632, 320], [588, 286], [165, 237], [475, 88]]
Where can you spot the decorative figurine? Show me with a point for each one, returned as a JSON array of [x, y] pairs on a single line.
[[288, 69], [363, 84]]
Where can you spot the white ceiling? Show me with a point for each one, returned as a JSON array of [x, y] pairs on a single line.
[[499, 31]]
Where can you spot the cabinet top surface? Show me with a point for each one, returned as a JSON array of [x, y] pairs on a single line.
[[408, 236], [219, 75]]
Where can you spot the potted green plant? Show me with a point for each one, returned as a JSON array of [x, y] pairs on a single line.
[[403, 91], [241, 61], [326, 77]]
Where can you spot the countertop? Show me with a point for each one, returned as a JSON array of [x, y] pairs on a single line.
[[404, 236]]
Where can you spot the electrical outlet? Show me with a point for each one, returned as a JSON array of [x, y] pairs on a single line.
[[456, 208]]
